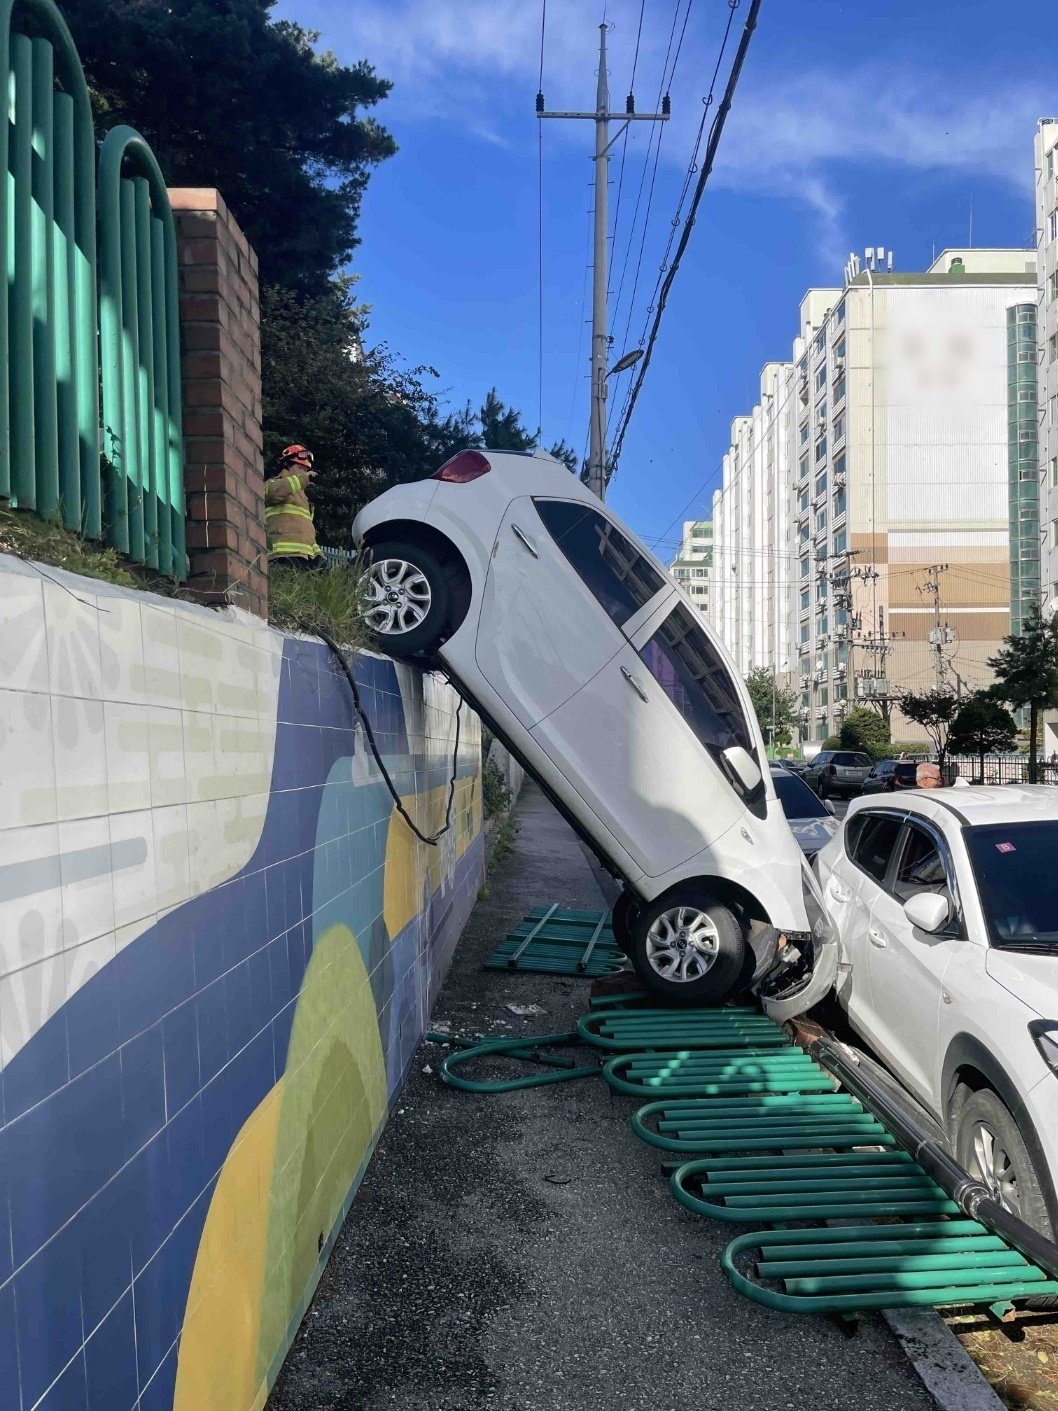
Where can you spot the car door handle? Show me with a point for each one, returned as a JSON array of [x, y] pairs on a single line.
[[634, 684], [837, 893], [877, 939], [521, 534]]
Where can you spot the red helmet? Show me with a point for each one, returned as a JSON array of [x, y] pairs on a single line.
[[300, 455]]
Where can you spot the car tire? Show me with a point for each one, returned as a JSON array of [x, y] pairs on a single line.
[[688, 973], [625, 910], [422, 582], [989, 1145]]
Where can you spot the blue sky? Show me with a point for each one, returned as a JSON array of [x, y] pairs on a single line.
[[853, 125]]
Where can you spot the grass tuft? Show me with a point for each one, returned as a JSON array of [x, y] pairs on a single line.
[[25, 535], [329, 598]]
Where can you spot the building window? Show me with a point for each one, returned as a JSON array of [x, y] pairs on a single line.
[[1027, 394], [804, 632], [804, 432], [821, 448], [821, 378], [1054, 472], [682, 573], [839, 464], [804, 600], [698, 573], [821, 520], [839, 504], [803, 571], [821, 340], [821, 484], [1054, 533], [802, 469], [1052, 226], [840, 542], [839, 427], [802, 503], [1052, 286], [839, 318], [839, 348], [839, 388], [1052, 348]]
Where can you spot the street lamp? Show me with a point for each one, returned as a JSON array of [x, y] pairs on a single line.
[[624, 363]]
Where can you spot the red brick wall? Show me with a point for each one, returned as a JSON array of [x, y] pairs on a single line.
[[220, 330]]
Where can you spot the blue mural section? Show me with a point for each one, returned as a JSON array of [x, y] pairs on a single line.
[[121, 1111]]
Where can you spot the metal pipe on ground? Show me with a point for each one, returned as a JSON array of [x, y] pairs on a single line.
[[972, 1197]]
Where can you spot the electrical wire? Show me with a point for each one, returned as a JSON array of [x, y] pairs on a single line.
[[540, 227], [715, 134], [347, 672], [624, 145]]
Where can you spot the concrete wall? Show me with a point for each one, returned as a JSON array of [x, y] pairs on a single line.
[[218, 947]]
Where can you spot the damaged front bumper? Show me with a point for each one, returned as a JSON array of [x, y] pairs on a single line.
[[806, 966]]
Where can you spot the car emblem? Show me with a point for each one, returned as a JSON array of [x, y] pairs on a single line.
[[746, 836]]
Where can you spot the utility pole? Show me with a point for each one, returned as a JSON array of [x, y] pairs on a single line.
[[602, 117], [940, 635]]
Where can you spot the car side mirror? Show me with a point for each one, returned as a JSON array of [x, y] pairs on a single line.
[[743, 766], [830, 808], [928, 911]]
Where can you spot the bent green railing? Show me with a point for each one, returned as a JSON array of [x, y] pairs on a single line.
[[140, 343], [51, 343], [49, 418]]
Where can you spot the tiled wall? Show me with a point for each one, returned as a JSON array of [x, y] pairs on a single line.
[[218, 948]]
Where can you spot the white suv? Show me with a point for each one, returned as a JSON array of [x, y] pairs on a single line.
[[946, 906], [597, 671]]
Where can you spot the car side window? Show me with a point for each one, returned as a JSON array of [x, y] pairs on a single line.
[[689, 670], [615, 573], [921, 866], [874, 844]]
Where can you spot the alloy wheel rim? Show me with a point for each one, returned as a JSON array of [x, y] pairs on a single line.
[[682, 945], [995, 1168], [396, 597]]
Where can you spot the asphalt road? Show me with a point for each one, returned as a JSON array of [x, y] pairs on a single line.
[[523, 1251]]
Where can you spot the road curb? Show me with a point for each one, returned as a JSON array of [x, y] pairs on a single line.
[[946, 1369]]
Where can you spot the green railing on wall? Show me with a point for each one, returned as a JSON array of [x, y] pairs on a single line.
[[51, 341], [140, 342]]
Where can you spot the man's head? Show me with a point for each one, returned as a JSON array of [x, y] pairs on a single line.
[[298, 459]]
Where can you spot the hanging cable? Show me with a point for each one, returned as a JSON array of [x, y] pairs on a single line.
[[369, 734], [624, 145], [540, 226], [716, 132]]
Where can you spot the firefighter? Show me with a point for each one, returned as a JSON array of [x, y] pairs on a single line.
[[288, 515]]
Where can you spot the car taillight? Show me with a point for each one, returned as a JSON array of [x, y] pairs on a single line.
[[832, 770], [462, 468]]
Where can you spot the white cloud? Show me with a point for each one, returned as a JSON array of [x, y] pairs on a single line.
[[475, 63]]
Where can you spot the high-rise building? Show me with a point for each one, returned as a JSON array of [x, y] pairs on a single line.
[[1047, 372], [692, 566], [894, 488]]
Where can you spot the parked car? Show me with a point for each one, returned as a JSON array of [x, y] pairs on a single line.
[[811, 821], [947, 916], [598, 673], [794, 766], [835, 772], [889, 775]]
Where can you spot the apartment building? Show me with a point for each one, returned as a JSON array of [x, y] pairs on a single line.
[[693, 565], [1046, 152], [897, 502]]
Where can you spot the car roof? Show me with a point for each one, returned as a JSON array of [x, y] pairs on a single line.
[[975, 806]]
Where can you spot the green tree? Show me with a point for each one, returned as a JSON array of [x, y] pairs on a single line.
[[1026, 669], [982, 726], [229, 97], [864, 729], [502, 428], [774, 705], [934, 711]]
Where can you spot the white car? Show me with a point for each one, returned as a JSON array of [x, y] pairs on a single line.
[[596, 670], [946, 906]]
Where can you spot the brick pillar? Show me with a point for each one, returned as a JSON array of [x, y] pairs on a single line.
[[220, 328]]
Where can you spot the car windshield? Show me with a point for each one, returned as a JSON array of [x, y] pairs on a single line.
[[854, 761], [797, 799], [1013, 864]]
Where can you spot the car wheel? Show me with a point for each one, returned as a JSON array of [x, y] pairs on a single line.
[[624, 912], [822, 791], [406, 599], [688, 948], [989, 1145]]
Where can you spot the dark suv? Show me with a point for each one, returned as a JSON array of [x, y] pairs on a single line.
[[835, 772], [888, 775]]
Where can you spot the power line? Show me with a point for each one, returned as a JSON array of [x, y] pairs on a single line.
[[624, 145], [540, 229], [716, 132]]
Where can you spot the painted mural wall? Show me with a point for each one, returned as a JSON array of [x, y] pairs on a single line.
[[219, 944]]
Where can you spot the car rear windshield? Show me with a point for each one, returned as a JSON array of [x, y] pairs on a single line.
[[853, 761], [1014, 867], [797, 799], [615, 572], [907, 771]]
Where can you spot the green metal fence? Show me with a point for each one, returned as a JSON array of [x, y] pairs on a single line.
[[51, 342]]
